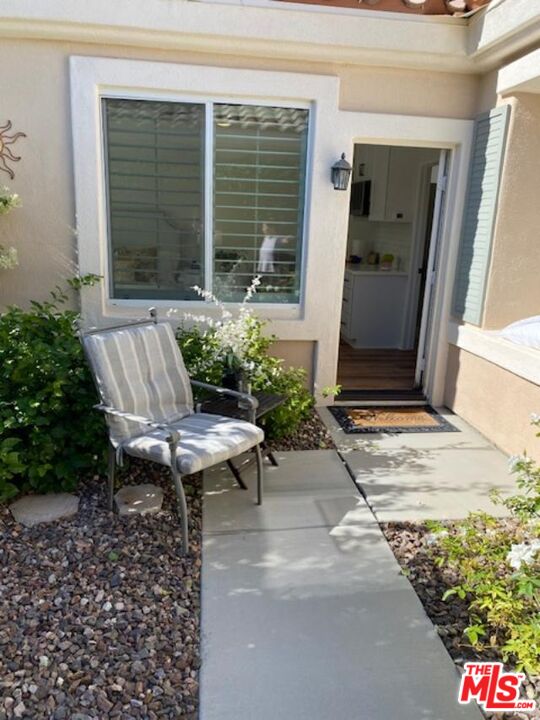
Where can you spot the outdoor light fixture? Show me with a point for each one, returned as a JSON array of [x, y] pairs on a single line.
[[341, 172]]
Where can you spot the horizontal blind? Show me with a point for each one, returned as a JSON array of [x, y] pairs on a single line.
[[258, 200], [479, 214], [155, 164]]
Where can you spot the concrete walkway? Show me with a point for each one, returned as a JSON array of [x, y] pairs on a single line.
[[305, 615], [425, 476]]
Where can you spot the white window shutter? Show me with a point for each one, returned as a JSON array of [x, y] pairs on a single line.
[[479, 214]]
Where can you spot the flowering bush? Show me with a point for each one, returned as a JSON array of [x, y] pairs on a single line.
[[214, 350], [8, 258], [498, 563], [8, 255], [8, 200]]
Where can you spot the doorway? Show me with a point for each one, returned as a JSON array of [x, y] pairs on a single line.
[[395, 213]]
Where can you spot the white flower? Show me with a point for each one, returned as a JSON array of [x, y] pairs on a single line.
[[435, 537], [535, 418], [8, 258], [514, 461], [8, 200], [522, 553]]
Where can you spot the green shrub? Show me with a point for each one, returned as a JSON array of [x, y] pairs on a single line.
[[49, 433], [498, 565], [238, 344]]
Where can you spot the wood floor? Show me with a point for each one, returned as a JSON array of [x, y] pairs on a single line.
[[375, 369]]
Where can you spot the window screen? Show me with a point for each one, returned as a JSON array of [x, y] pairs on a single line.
[[259, 176], [155, 161], [157, 177]]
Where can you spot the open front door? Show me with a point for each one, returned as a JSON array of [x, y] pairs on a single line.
[[431, 273]]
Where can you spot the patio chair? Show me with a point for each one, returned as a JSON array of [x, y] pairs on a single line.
[[147, 400]]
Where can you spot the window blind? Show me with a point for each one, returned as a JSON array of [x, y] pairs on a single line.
[[155, 165], [258, 200]]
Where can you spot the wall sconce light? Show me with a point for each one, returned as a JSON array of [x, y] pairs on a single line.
[[341, 172]]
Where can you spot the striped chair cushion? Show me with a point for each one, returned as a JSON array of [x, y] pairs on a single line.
[[140, 370], [205, 440]]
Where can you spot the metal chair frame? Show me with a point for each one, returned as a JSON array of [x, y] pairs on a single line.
[[246, 402]]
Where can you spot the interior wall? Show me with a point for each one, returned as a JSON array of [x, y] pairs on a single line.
[[493, 400]]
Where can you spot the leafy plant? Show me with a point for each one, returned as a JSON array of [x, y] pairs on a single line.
[[213, 348], [8, 200], [498, 564], [8, 258], [49, 434], [331, 390], [8, 255]]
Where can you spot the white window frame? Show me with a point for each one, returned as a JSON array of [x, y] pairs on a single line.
[[208, 191], [95, 79]]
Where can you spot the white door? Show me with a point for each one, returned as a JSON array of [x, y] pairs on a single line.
[[431, 272]]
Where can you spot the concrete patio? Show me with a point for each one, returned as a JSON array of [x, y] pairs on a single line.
[[424, 476], [305, 614]]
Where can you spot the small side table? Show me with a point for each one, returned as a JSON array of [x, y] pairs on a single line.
[[223, 405]]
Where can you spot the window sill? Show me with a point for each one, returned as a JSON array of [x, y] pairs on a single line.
[[176, 310], [517, 359]]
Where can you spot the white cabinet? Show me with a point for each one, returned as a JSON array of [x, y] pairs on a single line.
[[373, 308], [392, 190]]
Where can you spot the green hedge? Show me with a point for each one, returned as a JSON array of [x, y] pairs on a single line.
[[49, 433]]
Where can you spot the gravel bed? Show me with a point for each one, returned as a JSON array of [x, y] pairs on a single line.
[[311, 435], [408, 544], [100, 614]]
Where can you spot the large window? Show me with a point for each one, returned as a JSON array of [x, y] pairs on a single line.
[[207, 194]]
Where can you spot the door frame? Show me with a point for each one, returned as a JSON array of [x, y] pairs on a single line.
[[450, 134], [418, 239], [432, 273]]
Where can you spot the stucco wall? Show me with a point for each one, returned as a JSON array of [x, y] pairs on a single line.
[[36, 100], [493, 400], [296, 354], [513, 290]]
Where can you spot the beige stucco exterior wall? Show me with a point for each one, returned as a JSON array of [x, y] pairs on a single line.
[[495, 401], [513, 290], [296, 354], [36, 100]]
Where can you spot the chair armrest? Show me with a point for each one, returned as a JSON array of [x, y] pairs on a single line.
[[175, 435], [250, 400]]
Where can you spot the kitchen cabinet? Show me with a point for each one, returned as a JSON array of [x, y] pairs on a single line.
[[373, 308], [392, 189]]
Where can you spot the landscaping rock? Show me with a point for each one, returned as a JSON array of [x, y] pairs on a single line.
[[139, 499], [89, 605], [311, 434], [34, 509]]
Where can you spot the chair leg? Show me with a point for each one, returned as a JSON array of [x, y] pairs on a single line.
[[111, 476], [181, 508], [269, 454], [232, 467], [260, 474]]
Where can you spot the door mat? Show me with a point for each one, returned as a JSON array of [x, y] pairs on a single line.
[[422, 418]]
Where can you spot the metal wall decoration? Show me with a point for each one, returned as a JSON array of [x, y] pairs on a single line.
[[5, 152]]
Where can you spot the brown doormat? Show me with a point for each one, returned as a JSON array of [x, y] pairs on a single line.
[[422, 418]]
